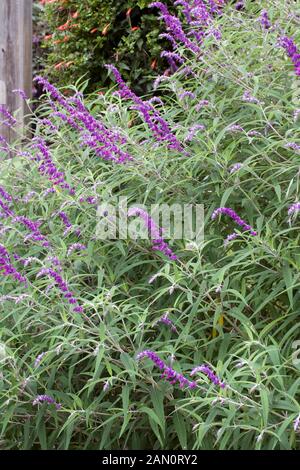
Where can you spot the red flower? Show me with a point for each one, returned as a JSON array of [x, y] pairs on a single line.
[[135, 28]]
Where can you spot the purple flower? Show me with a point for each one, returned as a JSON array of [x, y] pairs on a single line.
[[264, 20], [106, 386], [76, 246], [4, 147], [233, 215], [155, 232], [66, 221], [201, 104], [28, 196], [6, 267], [63, 287], [170, 38], [297, 423], [156, 123], [48, 168], [294, 146], [174, 27], [296, 114], [46, 399], [294, 208], [33, 227], [249, 98], [46, 122], [253, 133], [48, 191], [235, 128], [186, 94], [167, 372], [230, 238], [39, 358], [21, 93], [234, 168], [172, 58], [240, 5], [158, 80], [166, 320], [193, 130], [291, 49], [5, 194], [209, 373], [10, 120]]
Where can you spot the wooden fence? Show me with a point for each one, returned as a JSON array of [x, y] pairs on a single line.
[[15, 57]]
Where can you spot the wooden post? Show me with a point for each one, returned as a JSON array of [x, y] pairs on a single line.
[[15, 58]]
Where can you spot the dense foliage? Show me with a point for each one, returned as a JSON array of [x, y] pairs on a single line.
[[82, 36], [89, 358]]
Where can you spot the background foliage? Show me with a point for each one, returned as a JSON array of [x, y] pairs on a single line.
[[99, 31], [235, 307]]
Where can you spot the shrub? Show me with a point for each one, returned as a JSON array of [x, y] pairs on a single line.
[[88, 353], [85, 35]]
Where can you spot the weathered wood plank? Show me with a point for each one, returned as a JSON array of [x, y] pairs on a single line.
[[15, 57]]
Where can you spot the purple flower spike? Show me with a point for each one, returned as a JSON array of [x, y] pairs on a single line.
[[294, 208], [167, 372], [63, 287], [5, 195], [155, 232], [233, 215], [291, 49], [209, 373], [6, 267], [38, 359], [297, 423], [230, 238], [153, 119], [174, 27], [236, 167], [21, 93], [10, 120], [166, 320], [76, 246], [264, 20], [48, 168], [46, 399]]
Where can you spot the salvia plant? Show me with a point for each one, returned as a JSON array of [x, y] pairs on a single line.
[[158, 342]]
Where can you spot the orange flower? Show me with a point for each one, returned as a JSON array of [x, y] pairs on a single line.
[[63, 27], [135, 28], [75, 15], [58, 41], [66, 38], [59, 66], [94, 30], [69, 63], [154, 64], [105, 29], [47, 37]]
